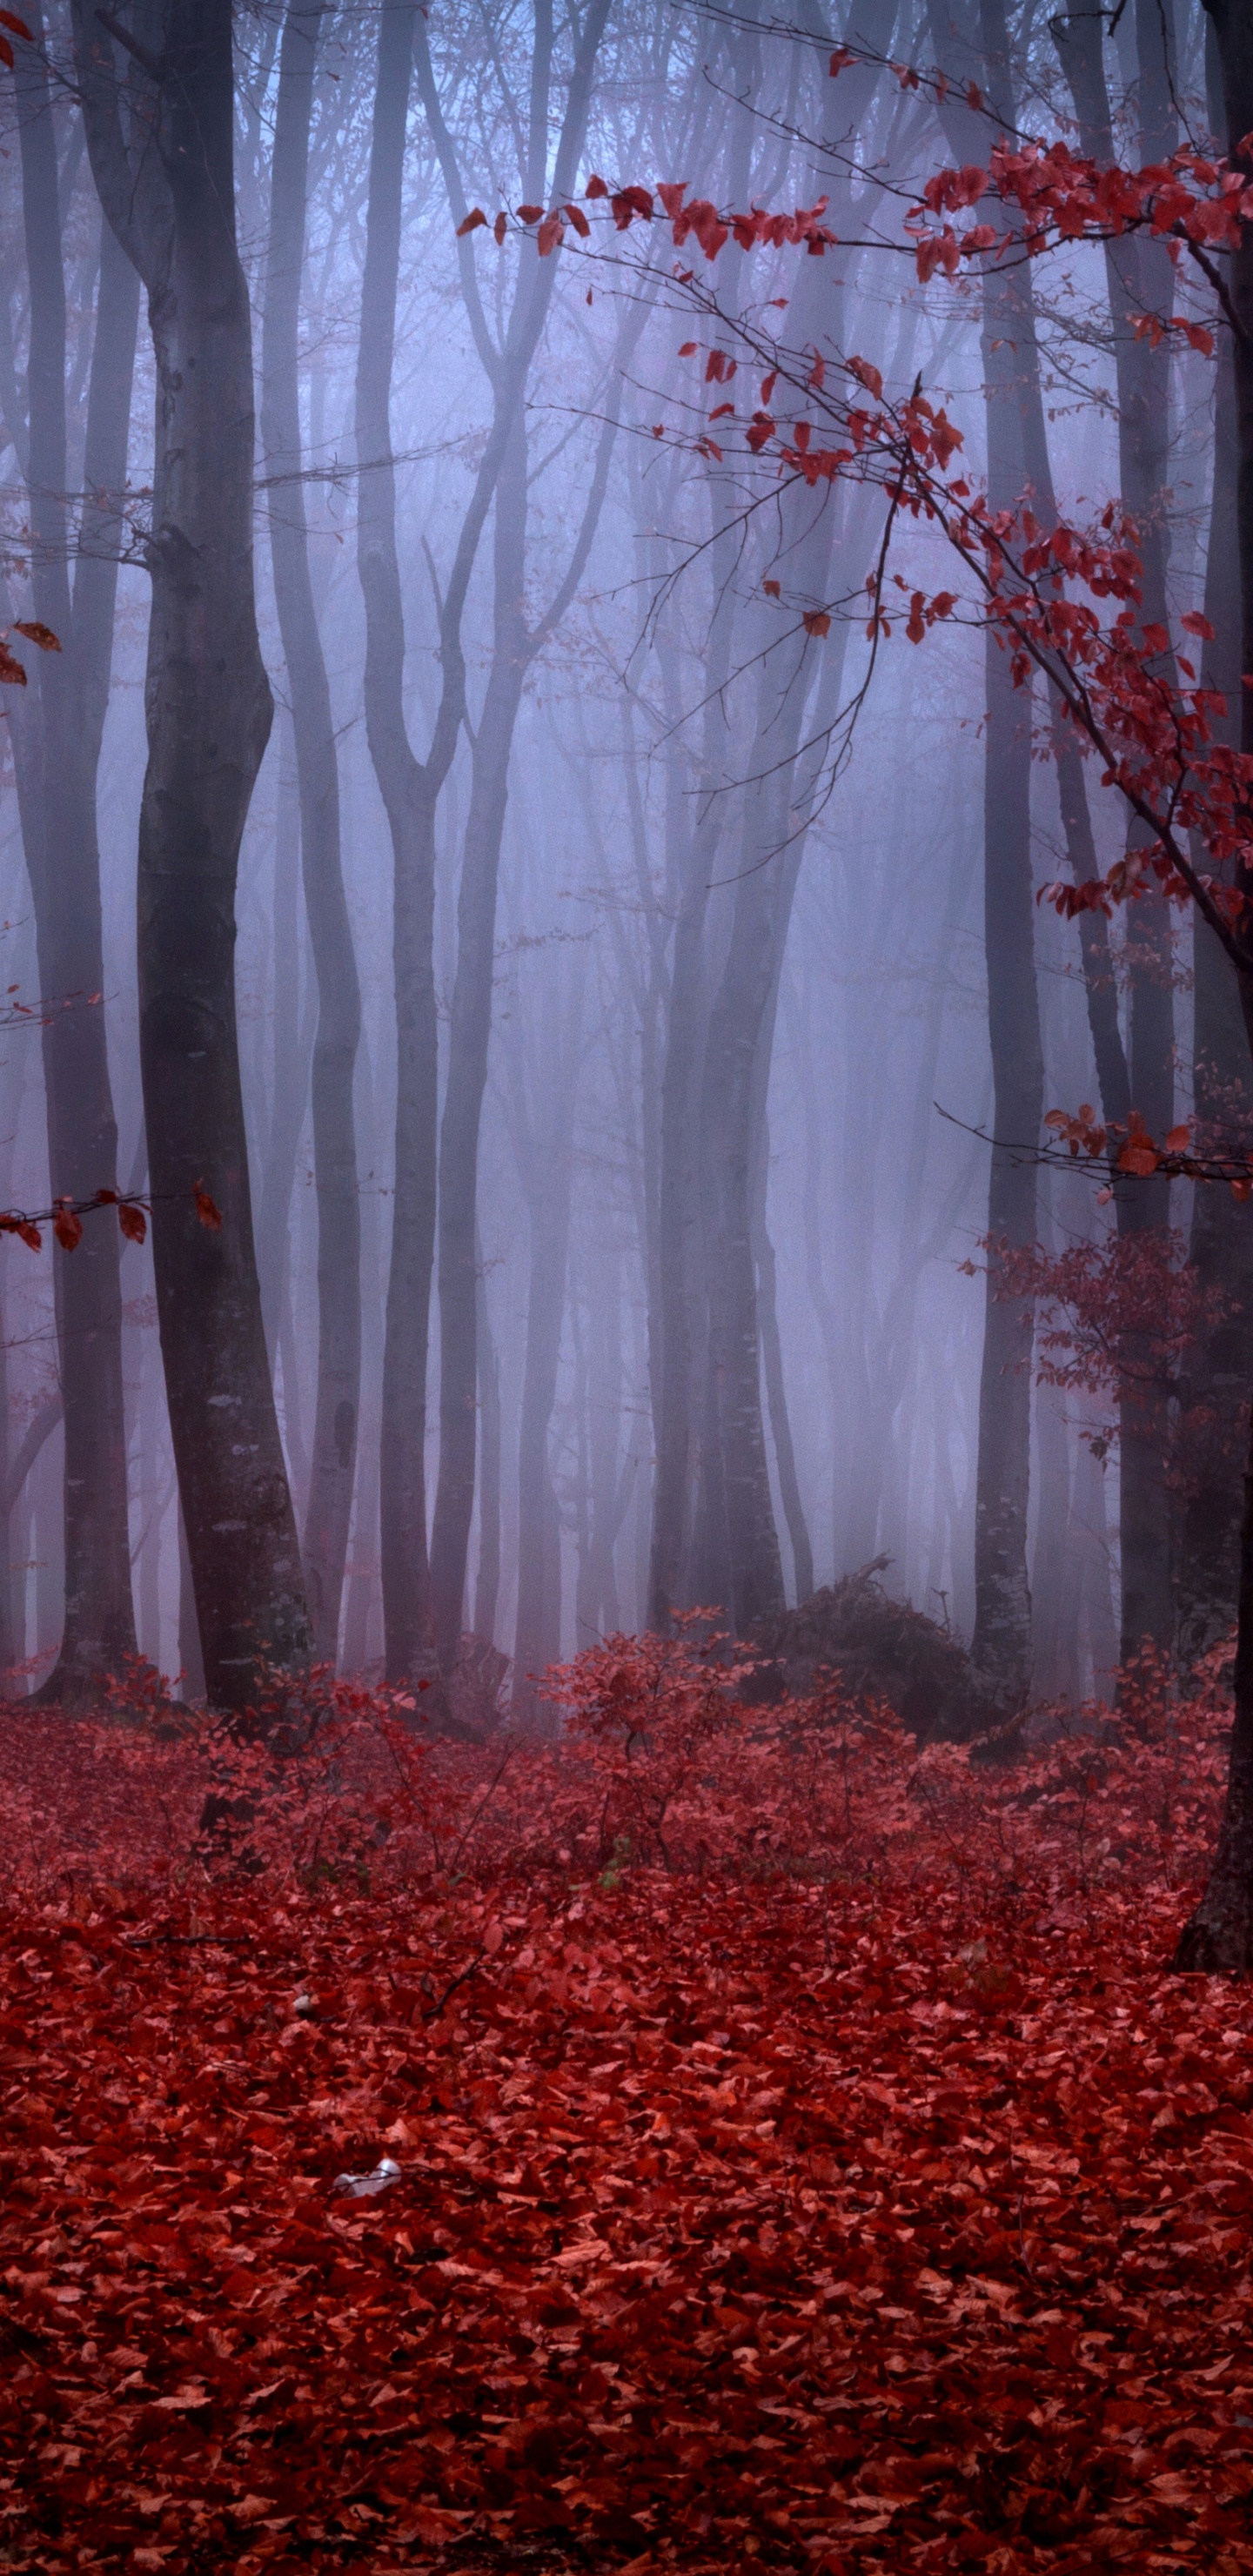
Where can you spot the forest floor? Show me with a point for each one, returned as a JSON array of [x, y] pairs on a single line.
[[893, 2213]]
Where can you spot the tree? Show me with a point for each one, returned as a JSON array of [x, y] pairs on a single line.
[[1042, 592], [339, 995], [57, 753], [162, 155]]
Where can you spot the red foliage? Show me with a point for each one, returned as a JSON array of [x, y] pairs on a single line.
[[853, 2192], [1113, 1313]]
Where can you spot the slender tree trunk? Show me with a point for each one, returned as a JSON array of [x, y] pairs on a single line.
[[780, 1420], [487, 1581], [1140, 279], [1001, 1644], [339, 998], [409, 792], [513, 649], [1219, 1935], [208, 712], [64, 867], [546, 1172], [469, 1033], [676, 1337], [1219, 1370]]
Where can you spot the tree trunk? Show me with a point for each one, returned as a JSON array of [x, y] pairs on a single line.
[[339, 998], [546, 1171], [513, 649], [1219, 1935], [409, 792], [487, 1580], [208, 713], [64, 867], [1001, 1644], [676, 1337], [1139, 279], [469, 1033], [1219, 1370]]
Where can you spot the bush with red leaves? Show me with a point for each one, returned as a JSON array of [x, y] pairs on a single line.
[[803, 2160]]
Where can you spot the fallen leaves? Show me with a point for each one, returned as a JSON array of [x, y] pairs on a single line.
[[892, 2213]]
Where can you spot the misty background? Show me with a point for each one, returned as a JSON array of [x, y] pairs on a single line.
[[654, 885]]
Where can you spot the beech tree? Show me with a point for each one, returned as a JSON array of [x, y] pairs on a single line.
[[73, 575], [161, 146], [325, 1539]]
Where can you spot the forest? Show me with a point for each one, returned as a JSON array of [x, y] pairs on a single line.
[[626, 1275]]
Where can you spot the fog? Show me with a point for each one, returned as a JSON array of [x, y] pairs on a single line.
[[628, 1258]]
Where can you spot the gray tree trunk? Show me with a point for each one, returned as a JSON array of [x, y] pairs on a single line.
[[329, 1506], [514, 647]]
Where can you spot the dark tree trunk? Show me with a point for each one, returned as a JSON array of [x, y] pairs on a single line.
[[1219, 1936], [59, 829], [1139, 279], [1001, 1644], [339, 998], [1219, 1370], [208, 713]]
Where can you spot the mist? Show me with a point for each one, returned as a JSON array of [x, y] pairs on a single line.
[[606, 1200]]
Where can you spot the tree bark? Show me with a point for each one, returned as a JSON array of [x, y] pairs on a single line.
[[1219, 1370], [60, 833], [1001, 1644], [169, 194], [1139, 279], [339, 996], [1219, 1935]]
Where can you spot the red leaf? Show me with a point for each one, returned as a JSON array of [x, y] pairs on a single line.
[[208, 1214], [867, 375], [67, 1227], [11, 670], [133, 1222], [472, 222]]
